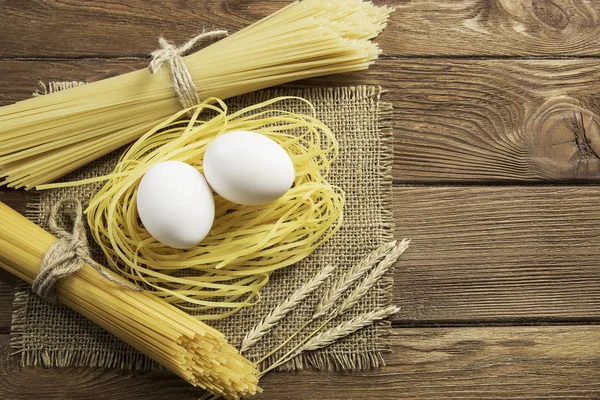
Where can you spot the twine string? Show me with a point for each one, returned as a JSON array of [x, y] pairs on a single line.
[[68, 254], [182, 81]]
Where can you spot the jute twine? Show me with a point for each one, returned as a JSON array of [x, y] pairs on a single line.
[[183, 84], [68, 254]]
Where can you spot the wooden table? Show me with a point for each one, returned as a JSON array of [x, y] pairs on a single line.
[[495, 183]]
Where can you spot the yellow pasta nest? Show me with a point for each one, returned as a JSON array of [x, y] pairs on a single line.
[[225, 272]]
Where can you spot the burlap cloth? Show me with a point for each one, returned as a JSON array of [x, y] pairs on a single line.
[[53, 335]]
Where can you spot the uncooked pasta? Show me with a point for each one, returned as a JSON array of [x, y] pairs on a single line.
[[225, 272], [44, 138], [188, 347]]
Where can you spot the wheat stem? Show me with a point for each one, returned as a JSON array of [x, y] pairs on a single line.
[[267, 323], [383, 257], [290, 352], [331, 297], [285, 342], [372, 277], [336, 333]]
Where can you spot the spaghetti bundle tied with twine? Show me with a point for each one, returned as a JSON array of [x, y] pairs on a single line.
[[187, 347], [46, 137]]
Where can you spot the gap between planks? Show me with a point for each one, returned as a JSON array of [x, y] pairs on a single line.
[[382, 57]]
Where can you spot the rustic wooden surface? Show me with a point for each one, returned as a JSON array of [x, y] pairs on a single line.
[[497, 162], [549, 362]]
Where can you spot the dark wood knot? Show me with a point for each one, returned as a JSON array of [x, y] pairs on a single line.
[[551, 14], [539, 17], [565, 141]]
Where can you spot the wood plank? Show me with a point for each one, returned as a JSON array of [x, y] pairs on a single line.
[[492, 28], [17, 199], [515, 254], [454, 120], [90, 383], [117, 28], [493, 254], [431, 363], [495, 120]]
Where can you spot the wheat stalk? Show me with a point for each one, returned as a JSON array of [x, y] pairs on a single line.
[[384, 257], [344, 329], [330, 298], [372, 277], [268, 322], [334, 334]]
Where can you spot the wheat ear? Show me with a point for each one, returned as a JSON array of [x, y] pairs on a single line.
[[269, 321], [373, 277], [330, 298], [325, 338], [336, 333]]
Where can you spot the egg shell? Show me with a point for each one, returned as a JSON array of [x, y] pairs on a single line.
[[175, 204], [248, 168]]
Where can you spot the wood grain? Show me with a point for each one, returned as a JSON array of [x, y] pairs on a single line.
[[116, 28], [16, 199], [454, 120], [495, 28], [512, 254], [432, 363], [495, 255], [495, 120]]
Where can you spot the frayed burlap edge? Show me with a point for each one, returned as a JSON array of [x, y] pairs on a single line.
[[19, 319], [326, 362], [68, 358]]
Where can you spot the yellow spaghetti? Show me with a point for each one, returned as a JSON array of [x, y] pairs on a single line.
[[225, 272], [44, 138], [188, 347]]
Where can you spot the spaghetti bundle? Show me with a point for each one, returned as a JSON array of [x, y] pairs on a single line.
[[189, 348], [225, 272], [46, 137]]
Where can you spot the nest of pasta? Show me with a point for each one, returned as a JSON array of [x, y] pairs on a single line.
[[226, 271]]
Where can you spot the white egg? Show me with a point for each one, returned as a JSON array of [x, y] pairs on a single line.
[[248, 168], [175, 204]]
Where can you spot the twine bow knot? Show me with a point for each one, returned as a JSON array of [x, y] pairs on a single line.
[[68, 254], [182, 81]]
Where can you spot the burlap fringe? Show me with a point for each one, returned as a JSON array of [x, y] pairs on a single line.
[[81, 358], [52, 87], [335, 362], [387, 282], [319, 361], [19, 321]]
